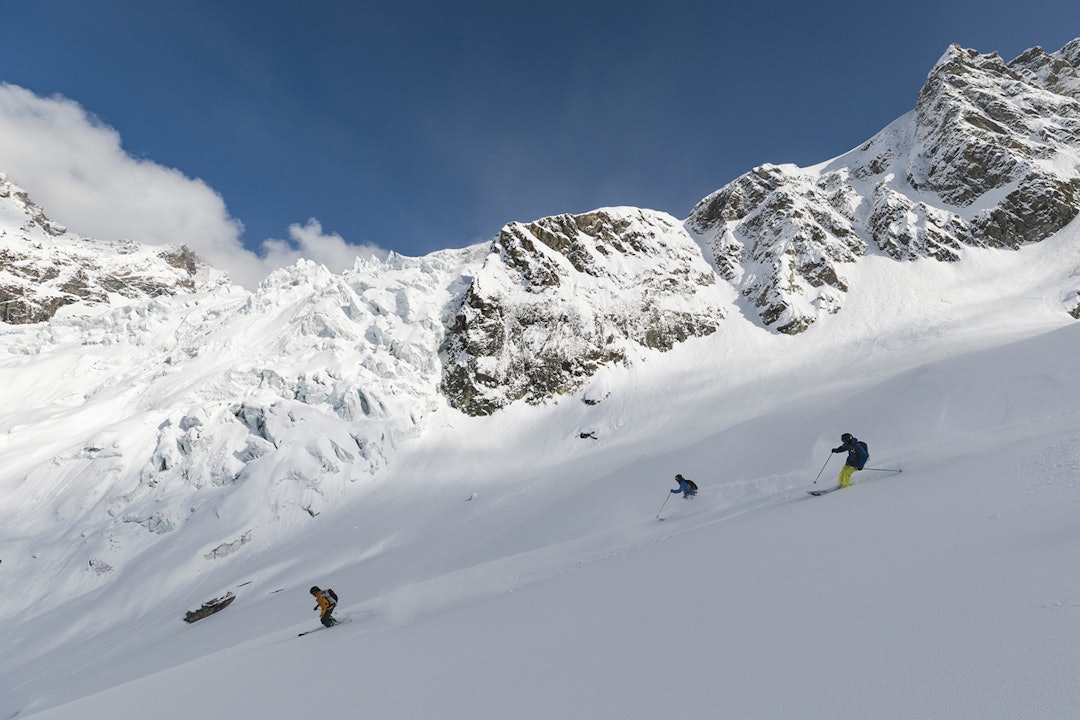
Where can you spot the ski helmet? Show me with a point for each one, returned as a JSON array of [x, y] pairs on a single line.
[[314, 590], [678, 477], [846, 437]]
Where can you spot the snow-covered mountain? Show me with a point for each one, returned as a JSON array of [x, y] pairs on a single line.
[[438, 430], [43, 267], [989, 157], [560, 297]]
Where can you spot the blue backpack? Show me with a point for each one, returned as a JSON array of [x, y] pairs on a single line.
[[865, 454]]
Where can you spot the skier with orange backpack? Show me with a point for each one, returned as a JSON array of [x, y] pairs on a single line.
[[325, 602]]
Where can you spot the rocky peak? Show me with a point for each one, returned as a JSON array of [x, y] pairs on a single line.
[[802, 228], [19, 202], [43, 267], [1070, 53], [559, 297], [989, 157], [1057, 72], [983, 124]]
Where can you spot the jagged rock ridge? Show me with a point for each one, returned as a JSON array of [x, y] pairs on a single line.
[[43, 267], [990, 157], [557, 298]]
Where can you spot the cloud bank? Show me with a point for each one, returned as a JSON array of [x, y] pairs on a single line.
[[75, 167], [309, 241]]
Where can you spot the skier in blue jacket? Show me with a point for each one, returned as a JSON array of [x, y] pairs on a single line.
[[688, 488], [856, 458]]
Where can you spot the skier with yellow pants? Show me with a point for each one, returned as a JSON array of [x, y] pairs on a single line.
[[858, 454]]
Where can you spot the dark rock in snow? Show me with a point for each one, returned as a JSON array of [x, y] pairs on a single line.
[[209, 608]]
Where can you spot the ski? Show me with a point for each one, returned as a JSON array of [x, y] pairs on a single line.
[[340, 621], [815, 493]]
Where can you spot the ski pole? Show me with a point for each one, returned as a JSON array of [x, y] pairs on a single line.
[[823, 467], [662, 507]]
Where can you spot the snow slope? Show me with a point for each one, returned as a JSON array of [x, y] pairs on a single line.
[[506, 566]]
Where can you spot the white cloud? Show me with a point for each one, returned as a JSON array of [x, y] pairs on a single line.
[[76, 169], [310, 242]]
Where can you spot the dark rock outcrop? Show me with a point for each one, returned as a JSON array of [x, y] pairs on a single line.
[[44, 268], [559, 297]]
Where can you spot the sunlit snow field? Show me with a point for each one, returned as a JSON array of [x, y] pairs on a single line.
[[508, 567]]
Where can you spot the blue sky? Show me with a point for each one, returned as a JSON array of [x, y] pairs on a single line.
[[417, 126]]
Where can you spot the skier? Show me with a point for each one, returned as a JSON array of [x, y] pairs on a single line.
[[326, 602], [688, 488], [856, 459]]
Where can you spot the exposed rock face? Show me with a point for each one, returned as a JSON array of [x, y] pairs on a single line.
[[559, 297], [43, 267], [779, 234], [985, 126], [990, 157]]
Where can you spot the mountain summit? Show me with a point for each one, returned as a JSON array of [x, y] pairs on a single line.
[[43, 267], [989, 157], [558, 298]]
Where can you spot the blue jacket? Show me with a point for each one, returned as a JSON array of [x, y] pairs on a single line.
[[684, 488], [856, 455]]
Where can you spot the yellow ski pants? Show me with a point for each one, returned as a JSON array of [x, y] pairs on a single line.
[[845, 476]]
